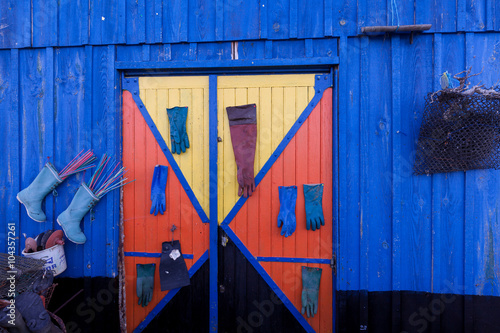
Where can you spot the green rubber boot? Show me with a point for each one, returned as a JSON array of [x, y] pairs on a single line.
[[32, 196], [70, 219]]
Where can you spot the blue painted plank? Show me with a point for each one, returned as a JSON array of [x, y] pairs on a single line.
[[73, 22], [490, 15], [328, 14], [172, 21], [129, 53], [136, 21], [400, 12], [180, 51], [476, 15], [33, 135], [156, 310], [114, 130], [219, 19], [470, 217], [202, 17], [311, 21], [268, 49], [193, 51], [461, 15], [45, 22], [279, 18], [9, 94], [48, 124], [237, 26], [214, 220], [325, 47], [263, 9], [450, 197], [146, 52], [376, 159], [349, 165], [309, 51], [151, 19], [15, 31], [344, 17], [158, 19], [102, 120], [95, 21], [294, 20], [396, 67], [107, 22], [70, 85], [445, 15]]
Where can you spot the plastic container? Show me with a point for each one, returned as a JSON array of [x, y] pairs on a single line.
[[55, 259]]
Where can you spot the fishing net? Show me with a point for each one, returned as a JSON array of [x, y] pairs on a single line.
[[24, 270], [460, 131]]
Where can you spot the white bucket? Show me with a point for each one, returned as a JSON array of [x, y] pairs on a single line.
[[55, 259]]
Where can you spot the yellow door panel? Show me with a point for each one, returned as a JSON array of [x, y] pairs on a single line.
[[160, 93], [280, 100]]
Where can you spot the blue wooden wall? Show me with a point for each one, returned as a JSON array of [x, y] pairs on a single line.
[[60, 93]]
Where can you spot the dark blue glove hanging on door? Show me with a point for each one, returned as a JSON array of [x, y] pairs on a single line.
[[313, 195], [158, 190], [179, 140]]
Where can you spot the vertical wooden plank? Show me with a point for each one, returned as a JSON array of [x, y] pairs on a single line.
[[461, 15], [219, 19], [396, 180], [309, 48], [149, 13], [16, 24], [184, 16], [10, 94], [269, 49], [328, 14], [172, 21], [445, 16], [490, 15], [294, 22], [95, 19], [230, 184], [311, 22], [48, 123], [44, 23], [87, 120], [470, 219], [214, 115], [264, 17], [344, 17], [136, 21], [277, 114], [158, 21], [278, 14], [202, 15], [237, 26], [263, 150], [424, 13], [476, 15], [73, 22]]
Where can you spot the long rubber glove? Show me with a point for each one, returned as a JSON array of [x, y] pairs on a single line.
[[313, 195], [158, 202], [145, 283], [243, 128], [179, 139], [286, 216], [311, 277]]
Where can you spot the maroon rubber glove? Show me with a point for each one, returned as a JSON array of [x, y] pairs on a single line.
[[243, 127]]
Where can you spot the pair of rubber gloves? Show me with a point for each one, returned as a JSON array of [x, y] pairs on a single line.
[[313, 195]]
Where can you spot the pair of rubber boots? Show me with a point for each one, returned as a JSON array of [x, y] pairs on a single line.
[[46, 181]]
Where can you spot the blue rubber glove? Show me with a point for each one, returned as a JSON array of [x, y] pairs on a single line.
[[311, 277], [313, 195], [286, 216], [145, 283], [179, 139], [158, 190]]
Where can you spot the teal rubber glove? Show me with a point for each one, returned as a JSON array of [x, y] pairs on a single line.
[[158, 202], [179, 139], [313, 195], [311, 277], [145, 283], [286, 216]]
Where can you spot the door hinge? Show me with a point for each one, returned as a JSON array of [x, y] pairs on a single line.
[[333, 263]]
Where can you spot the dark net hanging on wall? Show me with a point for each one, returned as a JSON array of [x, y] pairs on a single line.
[[459, 132]]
